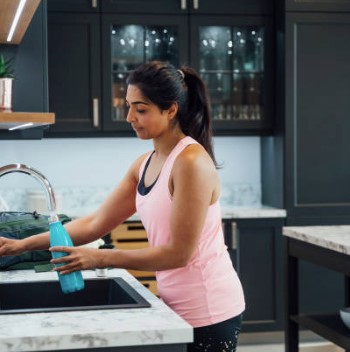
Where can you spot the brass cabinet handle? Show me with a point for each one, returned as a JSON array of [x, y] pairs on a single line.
[[183, 4], [93, 3], [195, 4], [95, 112]]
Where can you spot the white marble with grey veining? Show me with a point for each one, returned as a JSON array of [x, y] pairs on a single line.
[[335, 237], [261, 211], [237, 201], [91, 328]]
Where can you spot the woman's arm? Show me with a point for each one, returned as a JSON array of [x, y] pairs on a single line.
[[194, 186], [119, 205]]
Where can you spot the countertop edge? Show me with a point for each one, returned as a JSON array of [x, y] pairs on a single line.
[[63, 330], [333, 237]]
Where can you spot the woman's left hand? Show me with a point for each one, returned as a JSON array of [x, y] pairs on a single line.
[[77, 258]]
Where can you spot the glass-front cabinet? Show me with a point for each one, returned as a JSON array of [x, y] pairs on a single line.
[[93, 45], [232, 55], [131, 44], [231, 62]]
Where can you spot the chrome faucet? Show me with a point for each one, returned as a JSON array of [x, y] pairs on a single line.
[[49, 193]]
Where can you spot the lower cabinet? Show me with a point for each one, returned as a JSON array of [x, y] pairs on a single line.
[[132, 235], [256, 250], [255, 247]]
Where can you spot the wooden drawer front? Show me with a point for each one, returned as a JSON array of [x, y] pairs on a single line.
[[151, 285], [140, 273], [133, 236], [129, 236], [127, 231], [130, 244]]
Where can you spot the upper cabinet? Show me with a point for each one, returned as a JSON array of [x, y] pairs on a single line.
[[232, 50], [317, 102], [318, 5], [74, 72], [74, 5], [206, 7]]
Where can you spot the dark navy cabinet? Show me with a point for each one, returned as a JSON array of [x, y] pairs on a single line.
[[91, 6], [208, 7], [305, 166], [318, 5], [317, 166], [74, 72], [255, 247]]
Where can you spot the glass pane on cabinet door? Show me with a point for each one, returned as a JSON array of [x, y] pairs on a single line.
[[248, 75], [215, 67], [232, 65], [161, 44], [132, 45]]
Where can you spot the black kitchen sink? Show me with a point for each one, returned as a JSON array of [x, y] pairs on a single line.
[[46, 296]]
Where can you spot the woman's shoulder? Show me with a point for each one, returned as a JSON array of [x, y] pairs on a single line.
[[194, 157]]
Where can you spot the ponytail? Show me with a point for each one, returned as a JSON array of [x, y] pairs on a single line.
[[195, 121]]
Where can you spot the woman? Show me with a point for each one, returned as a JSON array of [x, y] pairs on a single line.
[[175, 190]]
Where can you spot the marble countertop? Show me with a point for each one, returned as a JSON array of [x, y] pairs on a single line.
[[91, 328], [336, 237], [252, 212]]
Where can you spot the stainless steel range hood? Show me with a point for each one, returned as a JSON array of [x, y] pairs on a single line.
[[10, 10]]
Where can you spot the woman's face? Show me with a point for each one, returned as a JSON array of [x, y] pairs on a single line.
[[146, 119]]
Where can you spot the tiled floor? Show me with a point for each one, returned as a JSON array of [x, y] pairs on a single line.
[[311, 347], [261, 348]]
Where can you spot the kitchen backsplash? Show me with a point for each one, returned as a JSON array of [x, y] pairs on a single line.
[[76, 201], [83, 171]]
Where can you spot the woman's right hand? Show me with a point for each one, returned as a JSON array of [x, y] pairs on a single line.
[[11, 247]]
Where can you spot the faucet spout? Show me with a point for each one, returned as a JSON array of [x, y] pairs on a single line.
[[49, 193]]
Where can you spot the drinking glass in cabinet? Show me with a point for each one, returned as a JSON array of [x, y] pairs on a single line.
[[132, 45], [232, 65]]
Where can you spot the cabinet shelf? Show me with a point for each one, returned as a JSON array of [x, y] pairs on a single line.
[[16, 119], [329, 326], [8, 10]]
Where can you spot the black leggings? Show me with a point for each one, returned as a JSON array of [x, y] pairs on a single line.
[[220, 337]]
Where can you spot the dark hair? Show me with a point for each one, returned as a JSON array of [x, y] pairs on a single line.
[[163, 85]]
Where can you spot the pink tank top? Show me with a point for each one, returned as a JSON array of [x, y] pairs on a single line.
[[208, 290]]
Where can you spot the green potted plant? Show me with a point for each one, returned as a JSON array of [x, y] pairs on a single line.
[[6, 79]]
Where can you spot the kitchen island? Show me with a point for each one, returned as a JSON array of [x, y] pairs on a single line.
[[156, 328], [329, 247]]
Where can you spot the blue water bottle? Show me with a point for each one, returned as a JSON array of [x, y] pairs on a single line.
[[59, 237]]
